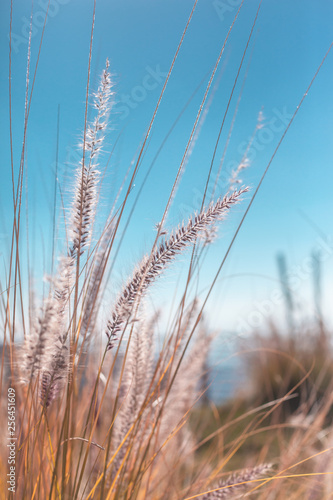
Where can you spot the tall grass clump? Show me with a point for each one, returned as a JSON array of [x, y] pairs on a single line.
[[105, 402]]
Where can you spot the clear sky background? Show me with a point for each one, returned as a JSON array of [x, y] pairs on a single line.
[[292, 213]]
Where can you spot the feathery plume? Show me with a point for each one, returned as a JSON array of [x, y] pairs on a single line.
[[153, 265], [46, 350], [234, 484], [134, 384], [87, 174], [35, 342], [54, 375], [245, 162], [185, 388]]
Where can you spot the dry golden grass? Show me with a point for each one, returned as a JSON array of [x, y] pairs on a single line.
[[119, 416]]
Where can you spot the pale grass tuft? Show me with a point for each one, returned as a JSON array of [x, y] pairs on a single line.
[[153, 265], [238, 482]]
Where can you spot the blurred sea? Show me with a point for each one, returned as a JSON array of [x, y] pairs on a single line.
[[226, 372]]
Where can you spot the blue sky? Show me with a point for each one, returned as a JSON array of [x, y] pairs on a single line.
[[292, 212]]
